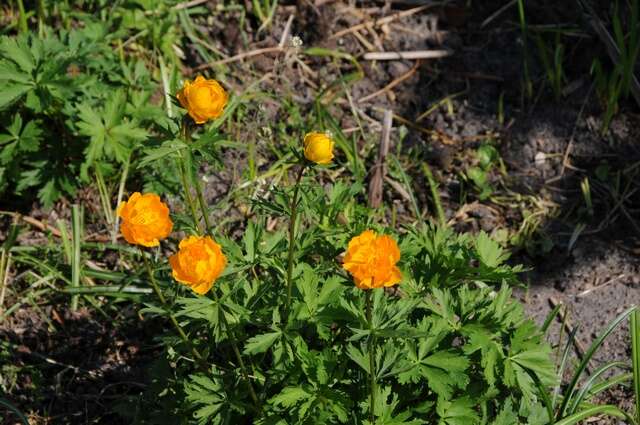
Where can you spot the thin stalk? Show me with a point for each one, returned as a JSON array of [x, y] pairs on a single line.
[[433, 185], [173, 319], [186, 135], [123, 181], [292, 231], [203, 205], [236, 351], [5, 264], [635, 357], [372, 362], [76, 218], [187, 193], [222, 318], [165, 86], [22, 19]]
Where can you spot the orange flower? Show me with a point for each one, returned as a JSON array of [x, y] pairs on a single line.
[[318, 148], [371, 260], [198, 263], [203, 99], [145, 219]]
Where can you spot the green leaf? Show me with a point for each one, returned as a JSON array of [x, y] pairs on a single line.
[[17, 50], [489, 251], [206, 396], [10, 94], [290, 396], [507, 415], [261, 343], [359, 357], [384, 410], [19, 139], [457, 412], [168, 148]]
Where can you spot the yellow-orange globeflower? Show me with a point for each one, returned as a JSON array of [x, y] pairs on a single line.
[[203, 99], [371, 260], [145, 219], [198, 263], [318, 148]]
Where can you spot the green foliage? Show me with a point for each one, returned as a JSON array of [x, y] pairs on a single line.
[[487, 159], [453, 347], [70, 102], [614, 83]]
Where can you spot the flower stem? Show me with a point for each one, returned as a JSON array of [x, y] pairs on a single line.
[[236, 351], [292, 230], [203, 206], [163, 301], [372, 363], [222, 318], [187, 193]]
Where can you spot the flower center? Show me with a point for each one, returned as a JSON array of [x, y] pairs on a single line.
[[202, 98]]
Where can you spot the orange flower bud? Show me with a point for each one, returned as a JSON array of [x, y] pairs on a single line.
[[371, 260], [198, 263], [203, 99], [318, 148], [145, 219]]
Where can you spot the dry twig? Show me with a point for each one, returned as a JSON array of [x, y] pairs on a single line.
[[411, 55], [392, 84], [240, 56], [380, 169], [381, 21]]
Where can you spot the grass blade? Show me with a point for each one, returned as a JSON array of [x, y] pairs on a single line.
[[635, 357], [605, 409], [586, 387], [550, 317], [587, 357], [15, 410], [612, 382], [76, 229]]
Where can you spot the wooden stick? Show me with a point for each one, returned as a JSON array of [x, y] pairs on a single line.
[[497, 13], [381, 21], [380, 169], [240, 56], [188, 4], [392, 84], [593, 288], [285, 33], [416, 54]]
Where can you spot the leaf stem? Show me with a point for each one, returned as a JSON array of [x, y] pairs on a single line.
[[292, 231], [372, 363]]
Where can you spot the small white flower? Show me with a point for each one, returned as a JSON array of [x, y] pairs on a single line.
[[296, 41], [205, 179]]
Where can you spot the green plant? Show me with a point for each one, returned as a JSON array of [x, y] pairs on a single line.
[[524, 33], [487, 158], [615, 84], [571, 402], [553, 62], [54, 85]]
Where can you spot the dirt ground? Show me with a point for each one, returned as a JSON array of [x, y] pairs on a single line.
[[548, 147]]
